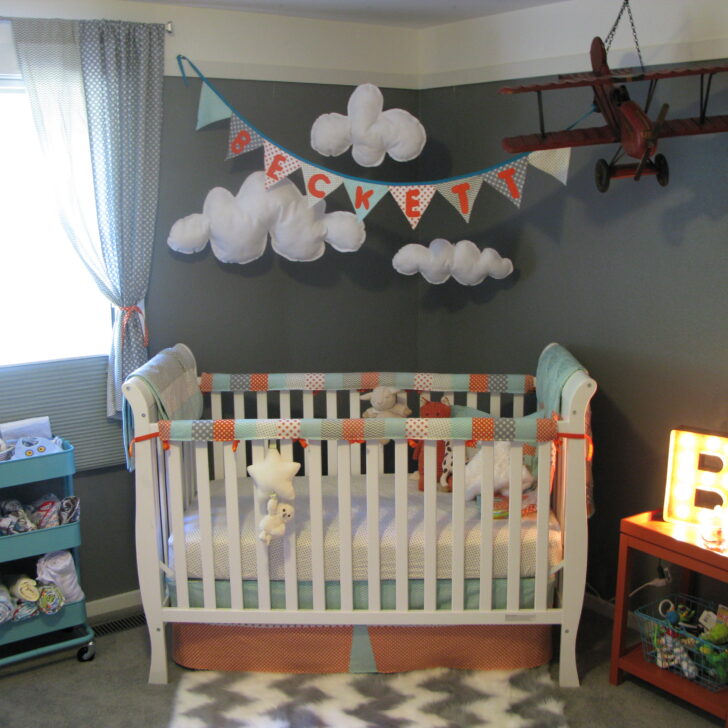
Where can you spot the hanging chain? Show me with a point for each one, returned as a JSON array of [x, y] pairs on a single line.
[[610, 36]]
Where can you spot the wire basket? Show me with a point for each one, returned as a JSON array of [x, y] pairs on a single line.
[[679, 648]]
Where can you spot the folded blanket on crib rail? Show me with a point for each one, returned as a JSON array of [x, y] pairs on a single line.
[[172, 379]]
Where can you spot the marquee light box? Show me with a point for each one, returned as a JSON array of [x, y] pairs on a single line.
[[697, 475]]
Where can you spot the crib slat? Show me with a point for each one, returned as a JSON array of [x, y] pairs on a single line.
[[486, 526], [317, 523], [346, 582], [232, 513], [241, 457], [206, 548], [471, 400], [307, 413], [373, 561], [331, 413], [514, 527], [495, 405], [290, 568], [430, 539], [518, 401], [542, 530], [400, 524], [258, 449], [355, 413], [458, 526], [174, 467], [285, 412], [216, 414]]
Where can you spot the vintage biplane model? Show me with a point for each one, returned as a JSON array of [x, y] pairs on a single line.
[[627, 122]]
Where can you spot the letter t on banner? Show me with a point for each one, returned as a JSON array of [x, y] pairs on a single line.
[[509, 179], [461, 194]]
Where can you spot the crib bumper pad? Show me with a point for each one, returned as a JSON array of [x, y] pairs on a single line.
[[470, 429]]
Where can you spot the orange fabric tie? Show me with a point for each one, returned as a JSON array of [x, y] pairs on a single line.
[[589, 442], [128, 311], [141, 438]]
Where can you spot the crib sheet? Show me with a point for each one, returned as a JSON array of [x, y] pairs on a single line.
[[301, 523]]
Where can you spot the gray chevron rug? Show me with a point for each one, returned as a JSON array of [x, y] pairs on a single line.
[[437, 698]]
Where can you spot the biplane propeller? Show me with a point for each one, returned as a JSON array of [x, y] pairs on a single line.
[[627, 122]]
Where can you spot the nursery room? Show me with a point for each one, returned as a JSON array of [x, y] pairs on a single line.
[[342, 283]]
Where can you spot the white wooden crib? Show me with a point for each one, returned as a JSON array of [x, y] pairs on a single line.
[[429, 558]]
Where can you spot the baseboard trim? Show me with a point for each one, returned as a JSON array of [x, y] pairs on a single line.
[[606, 609], [116, 603]]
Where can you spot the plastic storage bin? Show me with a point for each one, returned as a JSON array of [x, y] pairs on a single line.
[[679, 648]]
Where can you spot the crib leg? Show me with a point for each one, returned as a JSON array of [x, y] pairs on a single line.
[[158, 662], [568, 674]]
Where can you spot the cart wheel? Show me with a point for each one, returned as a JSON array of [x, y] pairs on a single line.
[[662, 171], [602, 175], [86, 653]]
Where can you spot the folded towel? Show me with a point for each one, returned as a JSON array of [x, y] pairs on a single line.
[[18, 519], [46, 511], [70, 510], [59, 568], [33, 427], [7, 604], [24, 610], [51, 599], [22, 587]]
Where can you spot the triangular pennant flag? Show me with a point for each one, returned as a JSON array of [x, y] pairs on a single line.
[[364, 196], [413, 200], [509, 179], [210, 107], [461, 194], [242, 138], [319, 182], [278, 164], [552, 161]]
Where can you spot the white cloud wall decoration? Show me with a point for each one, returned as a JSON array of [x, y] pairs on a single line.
[[238, 226], [464, 261], [370, 132]]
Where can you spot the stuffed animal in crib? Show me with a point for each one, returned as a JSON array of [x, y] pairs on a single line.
[[430, 408], [274, 524], [385, 403]]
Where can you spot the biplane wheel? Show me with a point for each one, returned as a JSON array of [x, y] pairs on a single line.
[[602, 175], [662, 170]]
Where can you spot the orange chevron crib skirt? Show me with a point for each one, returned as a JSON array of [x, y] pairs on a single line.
[[306, 649]]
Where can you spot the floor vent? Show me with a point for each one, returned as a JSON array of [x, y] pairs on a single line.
[[119, 625]]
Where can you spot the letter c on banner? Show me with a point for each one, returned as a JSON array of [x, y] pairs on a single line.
[[313, 190]]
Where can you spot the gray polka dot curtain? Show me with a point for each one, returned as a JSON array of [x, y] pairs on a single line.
[[116, 69]]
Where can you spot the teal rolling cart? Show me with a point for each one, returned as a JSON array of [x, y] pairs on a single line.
[[44, 633]]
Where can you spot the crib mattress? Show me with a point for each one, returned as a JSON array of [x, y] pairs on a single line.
[[301, 522]]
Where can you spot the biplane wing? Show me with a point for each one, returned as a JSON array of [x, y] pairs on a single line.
[[692, 126], [559, 139]]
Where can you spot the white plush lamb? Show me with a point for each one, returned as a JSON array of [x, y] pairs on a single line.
[[274, 524], [385, 403]]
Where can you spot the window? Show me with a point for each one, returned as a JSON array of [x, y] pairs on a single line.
[[51, 306]]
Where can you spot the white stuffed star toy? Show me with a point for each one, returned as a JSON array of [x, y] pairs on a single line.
[[274, 475]]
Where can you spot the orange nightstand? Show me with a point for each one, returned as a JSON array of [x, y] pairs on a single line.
[[678, 544]]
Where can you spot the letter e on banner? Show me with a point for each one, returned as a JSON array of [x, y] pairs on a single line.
[[412, 203], [275, 167]]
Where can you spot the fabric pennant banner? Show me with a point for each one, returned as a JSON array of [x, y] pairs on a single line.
[[461, 194], [319, 182], [552, 161], [242, 138], [413, 200], [509, 179], [364, 196], [278, 164], [211, 107]]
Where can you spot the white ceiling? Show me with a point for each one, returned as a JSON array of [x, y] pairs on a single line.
[[402, 13]]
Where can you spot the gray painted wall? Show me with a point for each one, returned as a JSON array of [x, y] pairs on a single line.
[[631, 281]]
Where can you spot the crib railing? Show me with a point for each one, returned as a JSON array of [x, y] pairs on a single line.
[[188, 466]]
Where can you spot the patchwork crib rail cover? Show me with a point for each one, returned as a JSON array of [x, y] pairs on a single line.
[[475, 429], [417, 381]]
